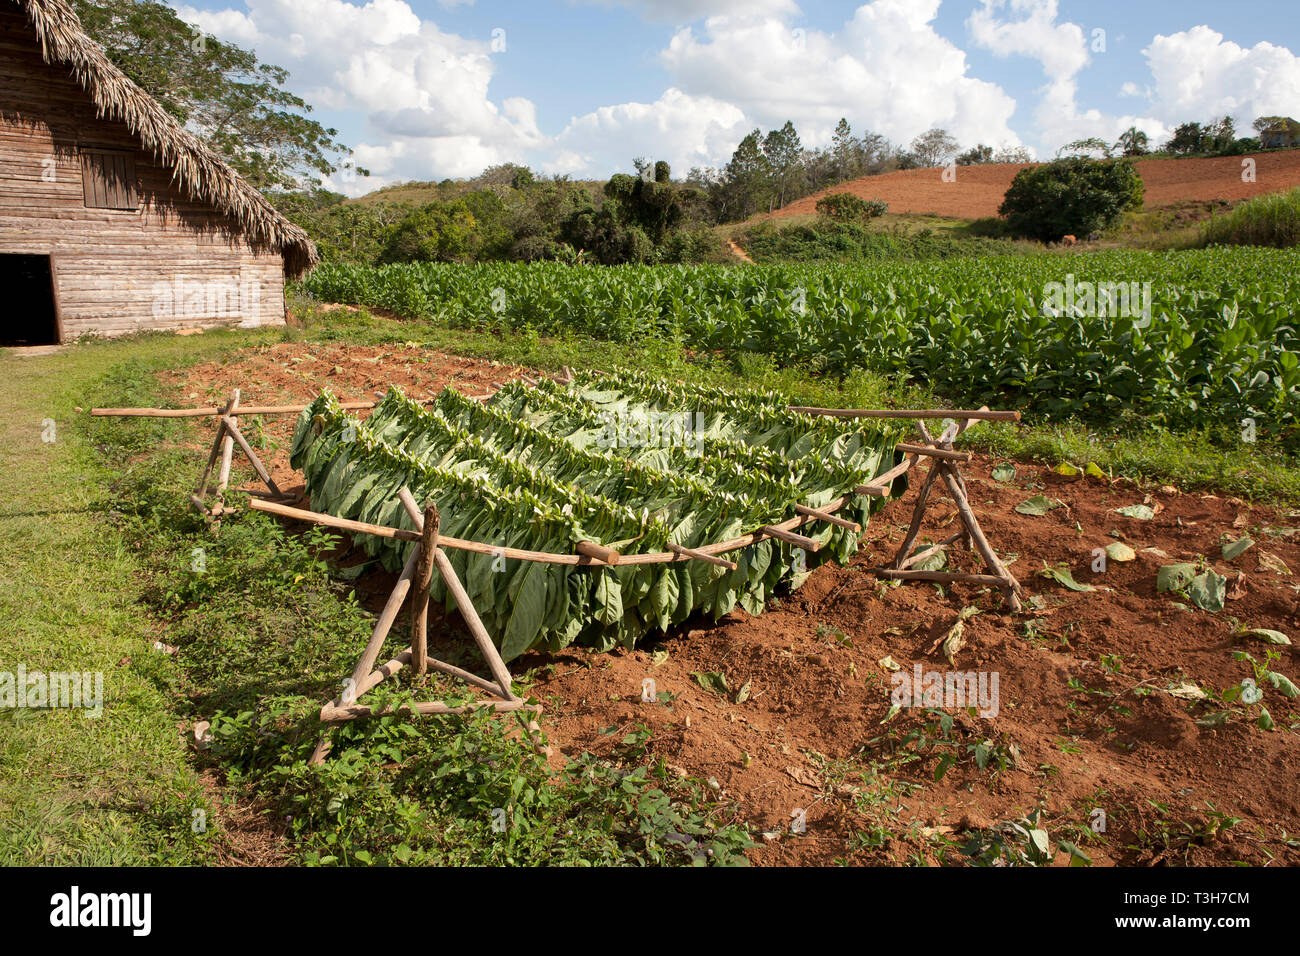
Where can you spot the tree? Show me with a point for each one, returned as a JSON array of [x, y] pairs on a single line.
[[747, 175], [1186, 140], [1086, 147], [933, 147], [1012, 154], [846, 207], [233, 102], [1133, 142], [1075, 196], [845, 150], [976, 156], [782, 150]]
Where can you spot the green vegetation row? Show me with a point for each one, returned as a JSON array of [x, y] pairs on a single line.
[[625, 460], [1213, 343]]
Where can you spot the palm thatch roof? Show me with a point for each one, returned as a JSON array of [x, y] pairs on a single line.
[[195, 167]]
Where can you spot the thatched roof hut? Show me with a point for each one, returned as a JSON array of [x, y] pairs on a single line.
[[142, 224]]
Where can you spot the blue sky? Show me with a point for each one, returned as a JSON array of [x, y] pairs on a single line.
[[426, 89]]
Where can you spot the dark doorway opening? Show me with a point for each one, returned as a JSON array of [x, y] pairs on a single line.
[[31, 317]]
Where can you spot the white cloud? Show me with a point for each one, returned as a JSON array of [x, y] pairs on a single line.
[[1199, 76], [1063, 52], [425, 93], [682, 129], [886, 70], [1059, 47], [688, 11]]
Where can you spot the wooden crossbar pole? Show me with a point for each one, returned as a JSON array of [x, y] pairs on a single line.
[[922, 555], [1010, 585], [946, 454], [982, 414], [701, 556], [828, 518], [808, 544], [601, 553], [331, 715]]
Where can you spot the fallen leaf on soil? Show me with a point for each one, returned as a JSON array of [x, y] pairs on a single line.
[[1271, 562], [1187, 691], [1118, 551], [1269, 636], [889, 664], [1238, 589], [1233, 549], [1037, 506], [1141, 512], [804, 776]]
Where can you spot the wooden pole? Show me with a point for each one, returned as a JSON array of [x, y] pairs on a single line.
[[931, 452], [466, 607], [227, 444], [918, 513], [382, 626], [252, 455], [982, 414], [331, 714], [423, 580], [701, 556], [808, 544], [827, 517], [217, 443], [1010, 585], [943, 577]]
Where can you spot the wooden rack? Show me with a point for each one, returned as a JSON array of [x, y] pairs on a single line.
[[429, 557]]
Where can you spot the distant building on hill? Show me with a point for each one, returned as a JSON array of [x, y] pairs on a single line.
[[1278, 132]]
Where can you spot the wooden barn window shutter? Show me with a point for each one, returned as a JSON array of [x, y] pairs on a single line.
[[108, 179]]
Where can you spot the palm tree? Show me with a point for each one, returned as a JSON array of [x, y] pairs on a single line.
[[1133, 142]]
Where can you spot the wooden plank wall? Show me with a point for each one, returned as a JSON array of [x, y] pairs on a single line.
[[170, 263]]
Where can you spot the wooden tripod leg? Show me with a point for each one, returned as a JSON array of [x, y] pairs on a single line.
[[227, 445], [382, 627], [217, 444], [233, 428], [1010, 586], [463, 604], [918, 513], [423, 580]]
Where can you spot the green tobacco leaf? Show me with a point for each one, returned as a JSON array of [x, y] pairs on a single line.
[[934, 562], [1120, 552], [1061, 574], [1269, 636], [1004, 472], [1233, 549], [1175, 577], [1141, 512], [1037, 506], [1283, 683], [1208, 591], [714, 681], [527, 614]]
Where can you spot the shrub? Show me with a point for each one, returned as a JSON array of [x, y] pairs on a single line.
[[1269, 220], [1075, 196], [846, 207]]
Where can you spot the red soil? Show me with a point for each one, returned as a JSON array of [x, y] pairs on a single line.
[[1084, 677], [978, 190]]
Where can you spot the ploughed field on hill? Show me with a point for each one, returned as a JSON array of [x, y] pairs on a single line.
[[977, 191]]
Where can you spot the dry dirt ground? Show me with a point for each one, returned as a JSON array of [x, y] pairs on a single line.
[[1085, 723], [978, 190]]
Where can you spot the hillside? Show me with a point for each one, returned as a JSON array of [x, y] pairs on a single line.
[[978, 190]]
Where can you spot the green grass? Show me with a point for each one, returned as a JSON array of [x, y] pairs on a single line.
[[1269, 220], [116, 789]]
